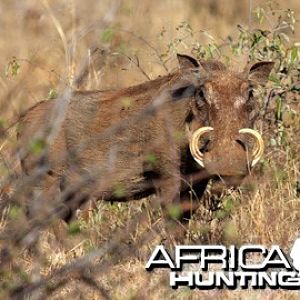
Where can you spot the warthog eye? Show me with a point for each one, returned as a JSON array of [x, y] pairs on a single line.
[[201, 102], [200, 93]]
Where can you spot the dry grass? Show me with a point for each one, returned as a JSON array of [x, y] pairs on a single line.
[[38, 35]]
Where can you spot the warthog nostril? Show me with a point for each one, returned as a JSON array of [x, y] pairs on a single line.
[[205, 145], [242, 144]]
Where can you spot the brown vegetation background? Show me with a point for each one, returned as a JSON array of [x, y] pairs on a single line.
[[125, 43]]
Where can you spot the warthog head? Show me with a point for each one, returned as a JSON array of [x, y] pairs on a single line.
[[225, 143]]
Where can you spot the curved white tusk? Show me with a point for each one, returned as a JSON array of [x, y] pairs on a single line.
[[194, 144], [260, 147]]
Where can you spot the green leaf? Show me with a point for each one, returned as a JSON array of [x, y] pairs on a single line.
[[174, 212], [278, 113], [52, 94], [107, 35], [37, 146], [294, 55], [13, 67], [228, 204], [14, 212], [260, 14], [74, 228]]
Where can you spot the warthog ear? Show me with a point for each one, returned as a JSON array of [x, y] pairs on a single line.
[[186, 61], [259, 72]]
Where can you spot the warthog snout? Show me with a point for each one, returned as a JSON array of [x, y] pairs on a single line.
[[227, 156]]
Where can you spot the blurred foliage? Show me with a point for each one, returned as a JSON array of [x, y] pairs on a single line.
[[270, 37], [13, 67], [52, 94]]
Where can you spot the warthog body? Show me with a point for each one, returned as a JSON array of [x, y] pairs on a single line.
[[114, 144]]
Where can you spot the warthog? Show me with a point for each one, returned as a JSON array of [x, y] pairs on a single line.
[[136, 141]]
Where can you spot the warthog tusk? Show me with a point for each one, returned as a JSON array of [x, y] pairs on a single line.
[[194, 144], [259, 150]]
